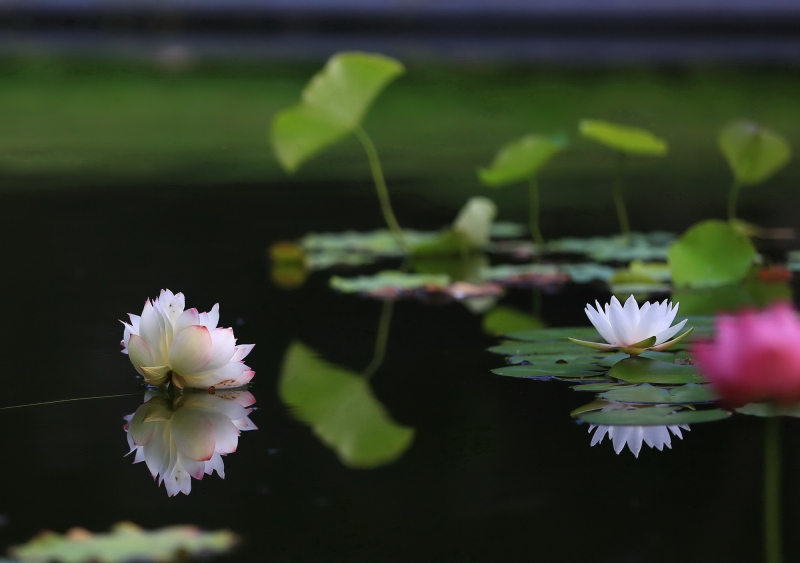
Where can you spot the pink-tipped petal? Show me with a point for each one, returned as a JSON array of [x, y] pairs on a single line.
[[191, 350]]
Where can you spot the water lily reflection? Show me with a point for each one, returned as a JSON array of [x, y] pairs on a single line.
[[654, 436], [184, 435]]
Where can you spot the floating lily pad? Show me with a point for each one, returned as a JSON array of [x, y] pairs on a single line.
[[652, 416], [526, 348], [609, 361], [623, 138], [580, 332], [595, 405], [526, 275], [646, 393], [711, 253], [341, 409], [508, 230], [396, 285], [125, 543], [601, 387], [618, 248], [753, 152], [573, 370], [645, 370], [769, 410], [521, 159], [503, 320], [543, 359], [587, 272]]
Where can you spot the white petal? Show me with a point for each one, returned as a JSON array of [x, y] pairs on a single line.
[[211, 319], [600, 322], [620, 322], [662, 337], [140, 352], [191, 350], [242, 350], [193, 432], [223, 345], [188, 318]]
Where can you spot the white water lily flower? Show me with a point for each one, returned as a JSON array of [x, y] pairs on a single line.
[[184, 437], [654, 436], [169, 344], [634, 330]]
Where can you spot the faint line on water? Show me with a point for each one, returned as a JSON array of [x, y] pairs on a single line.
[[68, 401]]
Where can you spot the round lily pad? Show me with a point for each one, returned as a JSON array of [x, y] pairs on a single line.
[[646, 393], [645, 370], [652, 416]]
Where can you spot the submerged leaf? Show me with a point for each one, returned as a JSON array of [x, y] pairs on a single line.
[[710, 253], [622, 138], [521, 159], [652, 416], [753, 153], [339, 406], [125, 543], [644, 370]]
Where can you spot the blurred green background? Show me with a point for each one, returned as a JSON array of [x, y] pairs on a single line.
[[66, 124]]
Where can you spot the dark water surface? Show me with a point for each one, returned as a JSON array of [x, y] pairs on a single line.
[[498, 470]]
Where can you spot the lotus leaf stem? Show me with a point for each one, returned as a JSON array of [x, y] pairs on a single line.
[[536, 233], [733, 200], [381, 340], [619, 200], [380, 187]]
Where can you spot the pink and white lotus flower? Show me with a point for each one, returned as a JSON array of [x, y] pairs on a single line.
[[632, 329], [171, 344], [186, 435]]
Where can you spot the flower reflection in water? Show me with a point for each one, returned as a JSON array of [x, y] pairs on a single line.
[[654, 436], [185, 435]]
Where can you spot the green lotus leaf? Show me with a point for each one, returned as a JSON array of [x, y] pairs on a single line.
[[753, 152], [513, 348], [595, 405], [601, 387], [652, 416], [333, 104], [544, 359], [521, 159], [710, 253], [572, 370], [645, 370], [646, 393], [622, 138]]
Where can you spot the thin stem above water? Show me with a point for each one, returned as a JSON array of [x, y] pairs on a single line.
[[381, 340], [772, 491], [533, 219], [619, 200], [381, 189], [733, 200]]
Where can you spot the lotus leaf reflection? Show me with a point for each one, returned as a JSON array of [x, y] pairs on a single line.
[[185, 435], [168, 344]]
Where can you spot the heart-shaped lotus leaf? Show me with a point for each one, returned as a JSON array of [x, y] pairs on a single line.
[[652, 416], [560, 334], [504, 320], [753, 152], [644, 370], [710, 253], [646, 393], [769, 410], [341, 409], [571, 370], [514, 348], [332, 105], [521, 159], [622, 138], [126, 542]]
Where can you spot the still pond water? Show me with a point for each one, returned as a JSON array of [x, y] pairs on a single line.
[[498, 471]]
